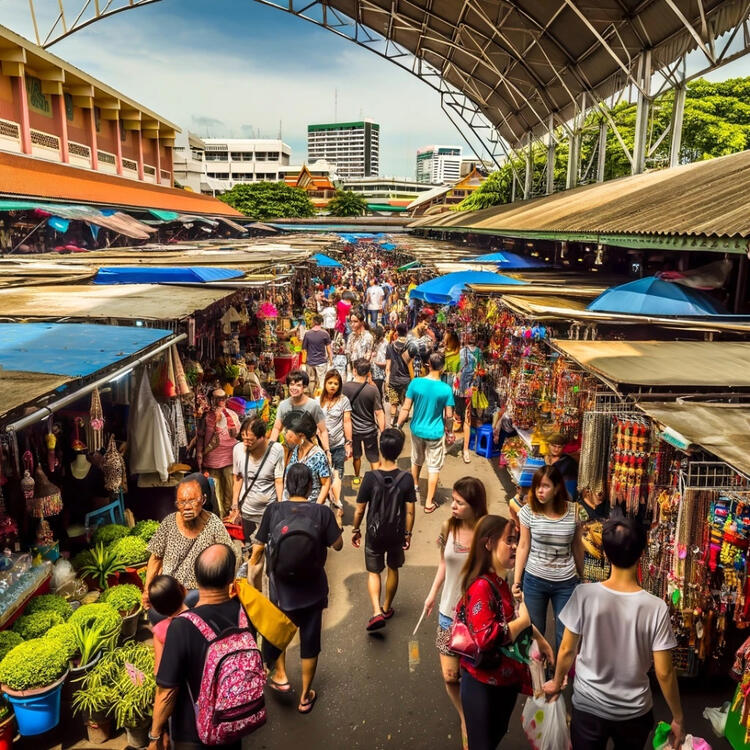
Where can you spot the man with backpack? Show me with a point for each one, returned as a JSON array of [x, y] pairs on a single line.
[[387, 493], [298, 534], [397, 371], [211, 667]]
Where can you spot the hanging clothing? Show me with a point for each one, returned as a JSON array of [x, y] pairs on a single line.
[[150, 442]]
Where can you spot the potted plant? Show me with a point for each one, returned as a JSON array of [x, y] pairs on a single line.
[[9, 639], [109, 533], [131, 550], [103, 568], [145, 529], [96, 628], [126, 599], [49, 603], [65, 635], [93, 702], [7, 730], [31, 676], [36, 624]]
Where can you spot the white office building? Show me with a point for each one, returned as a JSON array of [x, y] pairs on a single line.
[[439, 165], [354, 147], [215, 165]]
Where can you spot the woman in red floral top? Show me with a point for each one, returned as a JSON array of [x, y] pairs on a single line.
[[488, 695]]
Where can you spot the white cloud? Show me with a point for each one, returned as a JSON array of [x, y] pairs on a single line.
[[187, 75]]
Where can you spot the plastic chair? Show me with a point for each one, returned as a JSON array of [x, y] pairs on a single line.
[[472, 438], [111, 513], [485, 442]]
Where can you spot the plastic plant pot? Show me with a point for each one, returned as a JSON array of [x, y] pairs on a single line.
[[37, 711], [7, 733], [130, 625]]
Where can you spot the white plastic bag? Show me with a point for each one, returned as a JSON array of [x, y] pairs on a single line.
[[62, 573], [545, 724], [718, 718]]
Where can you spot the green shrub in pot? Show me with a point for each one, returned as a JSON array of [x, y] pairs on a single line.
[[125, 598], [145, 529], [109, 533], [36, 624], [81, 559], [9, 639], [33, 664], [103, 564], [94, 700], [66, 636], [97, 628], [49, 603], [130, 550]]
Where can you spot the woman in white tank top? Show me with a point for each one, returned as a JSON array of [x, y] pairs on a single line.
[[468, 506]]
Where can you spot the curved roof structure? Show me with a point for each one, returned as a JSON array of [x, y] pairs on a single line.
[[519, 61]]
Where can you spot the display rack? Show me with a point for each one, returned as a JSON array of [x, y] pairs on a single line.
[[713, 475]]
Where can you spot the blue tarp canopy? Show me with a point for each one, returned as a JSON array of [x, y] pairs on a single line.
[[447, 289], [352, 237], [654, 296], [72, 349], [325, 262], [163, 274], [509, 261], [387, 246]]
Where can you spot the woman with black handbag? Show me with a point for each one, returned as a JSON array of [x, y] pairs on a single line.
[[485, 631]]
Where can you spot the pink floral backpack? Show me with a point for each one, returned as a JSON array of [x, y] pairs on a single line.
[[230, 703]]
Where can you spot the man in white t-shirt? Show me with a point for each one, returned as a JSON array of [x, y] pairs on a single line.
[[258, 468], [620, 629], [374, 297]]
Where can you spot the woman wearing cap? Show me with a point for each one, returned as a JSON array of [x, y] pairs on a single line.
[[182, 536]]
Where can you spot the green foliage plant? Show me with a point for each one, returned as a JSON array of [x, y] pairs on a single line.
[[97, 628], [9, 639], [109, 533], [125, 598], [33, 664], [94, 701], [66, 636], [80, 559], [49, 603], [36, 624], [131, 550], [145, 529], [269, 200], [104, 563], [347, 203]]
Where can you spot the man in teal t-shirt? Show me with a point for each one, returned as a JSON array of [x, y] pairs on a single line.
[[431, 424]]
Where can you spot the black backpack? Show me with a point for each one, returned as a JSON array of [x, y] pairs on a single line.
[[386, 518], [296, 552]]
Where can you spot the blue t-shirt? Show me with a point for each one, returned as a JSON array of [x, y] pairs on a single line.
[[429, 398]]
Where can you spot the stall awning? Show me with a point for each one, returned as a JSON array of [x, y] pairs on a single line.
[[71, 349], [325, 261], [163, 215], [722, 429], [232, 224], [162, 275], [126, 301], [705, 364], [447, 289], [20, 388]]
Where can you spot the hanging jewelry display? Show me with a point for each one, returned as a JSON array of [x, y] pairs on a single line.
[[27, 482], [47, 498], [629, 462], [594, 458], [95, 435]]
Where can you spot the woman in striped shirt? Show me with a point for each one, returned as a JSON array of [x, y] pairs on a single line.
[[549, 560]]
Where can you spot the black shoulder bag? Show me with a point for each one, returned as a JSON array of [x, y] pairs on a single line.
[[249, 487]]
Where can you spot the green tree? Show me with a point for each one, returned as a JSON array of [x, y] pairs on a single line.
[[716, 122], [269, 200], [347, 203]]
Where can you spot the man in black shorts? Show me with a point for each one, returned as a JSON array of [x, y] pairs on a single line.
[[380, 488], [367, 417]]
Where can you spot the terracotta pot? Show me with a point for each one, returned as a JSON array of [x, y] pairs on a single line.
[[98, 729], [93, 584]]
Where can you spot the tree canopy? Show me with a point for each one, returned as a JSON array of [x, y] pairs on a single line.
[[347, 203], [716, 122], [269, 200]]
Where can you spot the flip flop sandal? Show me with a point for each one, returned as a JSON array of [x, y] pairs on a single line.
[[430, 508], [306, 706], [388, 614], [279, 687], [356, 481], [467, 458], [376, 622]]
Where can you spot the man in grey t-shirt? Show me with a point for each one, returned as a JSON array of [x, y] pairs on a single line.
[[620, 629]]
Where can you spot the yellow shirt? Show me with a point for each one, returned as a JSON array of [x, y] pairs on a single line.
[[409, 290]]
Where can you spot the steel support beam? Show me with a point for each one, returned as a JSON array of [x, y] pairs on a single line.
[[678, 113], [601, 156], [551, 143], [528, 178], [643, 110]]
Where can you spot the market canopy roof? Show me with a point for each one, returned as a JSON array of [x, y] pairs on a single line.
[[653, 296], [447, 289], [71, 349], [507, 261], [706, 200], [704, 364], [324, 261], [20, 388], [722, 429], [23, 176], [161, 275], [127, 301]]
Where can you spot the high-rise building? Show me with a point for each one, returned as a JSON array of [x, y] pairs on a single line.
[[354, 147], [439, 165]]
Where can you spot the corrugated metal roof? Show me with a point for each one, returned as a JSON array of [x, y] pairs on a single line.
[[703, 199]]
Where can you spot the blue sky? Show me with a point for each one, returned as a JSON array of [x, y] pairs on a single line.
[[235, 68]]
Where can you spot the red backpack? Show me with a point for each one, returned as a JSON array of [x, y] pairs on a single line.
[[230, 703]]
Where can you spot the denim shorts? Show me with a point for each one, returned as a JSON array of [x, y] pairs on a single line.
[[338, 459], [445, 622]]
